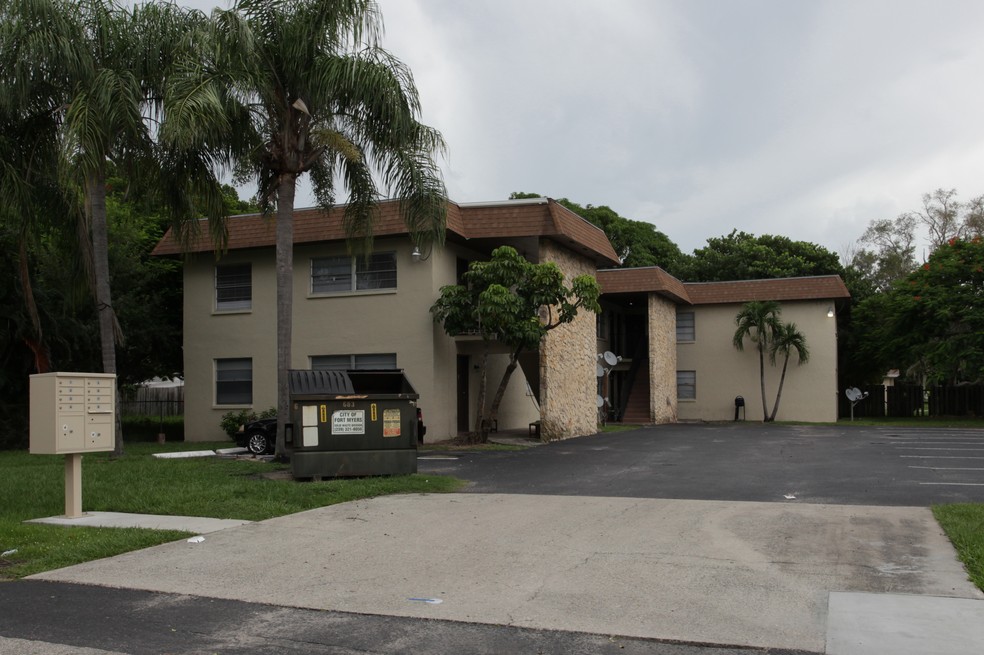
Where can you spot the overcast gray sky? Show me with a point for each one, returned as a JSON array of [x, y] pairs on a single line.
[[806, 119]]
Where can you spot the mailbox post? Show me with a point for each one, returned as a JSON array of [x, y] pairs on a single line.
[[72, 414]]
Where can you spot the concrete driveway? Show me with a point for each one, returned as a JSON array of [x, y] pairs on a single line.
[[746, 574], [593, 546]]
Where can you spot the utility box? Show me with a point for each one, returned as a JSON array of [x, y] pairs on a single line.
[[352, 423], [72, 413]]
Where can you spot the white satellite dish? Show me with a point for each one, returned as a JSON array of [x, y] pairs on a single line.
[[610, 358], [599, 372], [855, 396], [599, 401]]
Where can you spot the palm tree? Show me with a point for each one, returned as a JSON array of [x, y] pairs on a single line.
[[97, 69], [303, 86], [758, 321], [786, 340]]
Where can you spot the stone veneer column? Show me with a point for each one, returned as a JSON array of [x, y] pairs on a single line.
[[567, 361], [662, 360]]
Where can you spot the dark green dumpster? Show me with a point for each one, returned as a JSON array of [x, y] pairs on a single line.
[[352, 423]]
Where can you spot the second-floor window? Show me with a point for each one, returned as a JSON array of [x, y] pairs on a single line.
[[344, 274], [233, 287], [685, 327]]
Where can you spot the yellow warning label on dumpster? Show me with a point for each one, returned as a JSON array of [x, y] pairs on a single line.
[[391, 422]]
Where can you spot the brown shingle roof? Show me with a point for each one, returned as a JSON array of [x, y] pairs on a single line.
[[525, 218], [820, 287], [310, 226], [651, 279]]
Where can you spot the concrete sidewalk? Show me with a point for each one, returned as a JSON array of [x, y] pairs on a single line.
[[196, 524], [743, 574]]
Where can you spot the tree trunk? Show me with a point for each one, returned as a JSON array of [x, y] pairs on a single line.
[[782, 379], [765, 409], [36, 344], [285, 303], [95, 195], [483, 385], [500, 392]]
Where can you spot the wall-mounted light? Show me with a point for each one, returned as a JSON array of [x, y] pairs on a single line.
[[418, 256], [830, 312]]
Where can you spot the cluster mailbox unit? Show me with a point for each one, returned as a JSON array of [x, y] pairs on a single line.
[[71, 414]]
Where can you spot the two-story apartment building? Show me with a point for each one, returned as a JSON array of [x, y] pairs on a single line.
[[358, 312]]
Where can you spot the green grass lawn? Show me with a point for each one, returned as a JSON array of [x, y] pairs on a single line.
[[964, 525], [33, 486]]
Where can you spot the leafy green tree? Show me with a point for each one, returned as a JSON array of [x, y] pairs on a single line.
[[886, 251], [759, 322], [637, 243], [503, 299], [786, 341], [935, 318], [303, 86], [98, 69], [148, 295], [743, 256]]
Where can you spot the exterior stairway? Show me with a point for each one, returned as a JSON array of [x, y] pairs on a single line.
[[637, 409]]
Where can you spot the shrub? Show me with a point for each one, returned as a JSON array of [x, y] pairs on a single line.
[[232, 421]]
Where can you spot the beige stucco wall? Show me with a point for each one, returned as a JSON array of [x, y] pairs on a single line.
[[662, 359], [567, 361], [211, 335], [388, 321], [809, 392], [358, 323]]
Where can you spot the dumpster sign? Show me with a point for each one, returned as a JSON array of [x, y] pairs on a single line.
[[391, 422], [348, 421]]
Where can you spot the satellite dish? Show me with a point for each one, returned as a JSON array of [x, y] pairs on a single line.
[[610, 358], [599, 372], [853, 394], [599, 401]]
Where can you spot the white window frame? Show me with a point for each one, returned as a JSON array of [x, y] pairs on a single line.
[[226, 367], [360, 277], [219, 286]]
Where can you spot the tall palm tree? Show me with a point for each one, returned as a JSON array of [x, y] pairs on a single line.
[[303, 86], [97, 68], [759, 322], [786, 340]]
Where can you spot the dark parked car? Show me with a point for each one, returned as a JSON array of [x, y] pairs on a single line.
[[260, 437]]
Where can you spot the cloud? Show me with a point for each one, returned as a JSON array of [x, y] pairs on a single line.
[[807, 119]]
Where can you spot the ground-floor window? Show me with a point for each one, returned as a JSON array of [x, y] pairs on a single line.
[[234, 381], [375, 361], [686, 385]]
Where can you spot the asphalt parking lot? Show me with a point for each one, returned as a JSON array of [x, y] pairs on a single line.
[[843, 464], [620, 542]]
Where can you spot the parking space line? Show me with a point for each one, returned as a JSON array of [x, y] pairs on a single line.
[[946, 468], [933, 442], [953, 484], [968, 450], [940, 457]]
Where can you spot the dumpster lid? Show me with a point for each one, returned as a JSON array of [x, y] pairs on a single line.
[[304, 383]]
